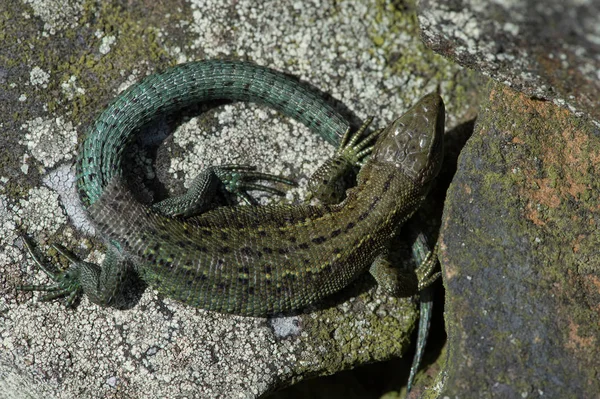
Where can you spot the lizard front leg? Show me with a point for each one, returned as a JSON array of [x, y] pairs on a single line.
[[329, 182]]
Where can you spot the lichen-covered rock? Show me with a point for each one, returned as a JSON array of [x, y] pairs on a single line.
[[520, 254]]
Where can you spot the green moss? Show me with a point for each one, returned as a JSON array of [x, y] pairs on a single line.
[[354, 344], [418, 65], [98, 74], [539, 167]]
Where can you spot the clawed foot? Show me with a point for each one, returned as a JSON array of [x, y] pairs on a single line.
[[239, 179], [329, 183], [66, 281], [234, 179], [425, 271], [353, 150]]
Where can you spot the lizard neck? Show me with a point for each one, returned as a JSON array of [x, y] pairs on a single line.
[[372, 204]]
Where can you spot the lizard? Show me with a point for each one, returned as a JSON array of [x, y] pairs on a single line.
[[250, 260]]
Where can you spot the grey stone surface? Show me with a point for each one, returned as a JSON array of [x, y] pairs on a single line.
[[545, 48], [520, 225]]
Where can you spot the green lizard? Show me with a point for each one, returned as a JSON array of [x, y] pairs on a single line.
[[250, 260]]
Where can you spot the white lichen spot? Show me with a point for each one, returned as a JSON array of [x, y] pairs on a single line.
[[50, 140], [57, 14], [70, 88], [178, 54], [25, 164], [511, 28], [23, 97], [7, 224], [112, 382], [286, 326], [106, 44], [39, 77], [62, 181], [132, 78], [41, 211]]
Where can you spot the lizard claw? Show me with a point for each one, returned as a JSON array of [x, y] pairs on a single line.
[[353, 150], [330, 181]]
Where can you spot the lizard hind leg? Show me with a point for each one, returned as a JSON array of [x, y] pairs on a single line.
[[102, 285], [66, 281], [235, 179], [399, 282]]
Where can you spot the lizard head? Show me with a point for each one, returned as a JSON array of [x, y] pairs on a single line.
[[414, 142]]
